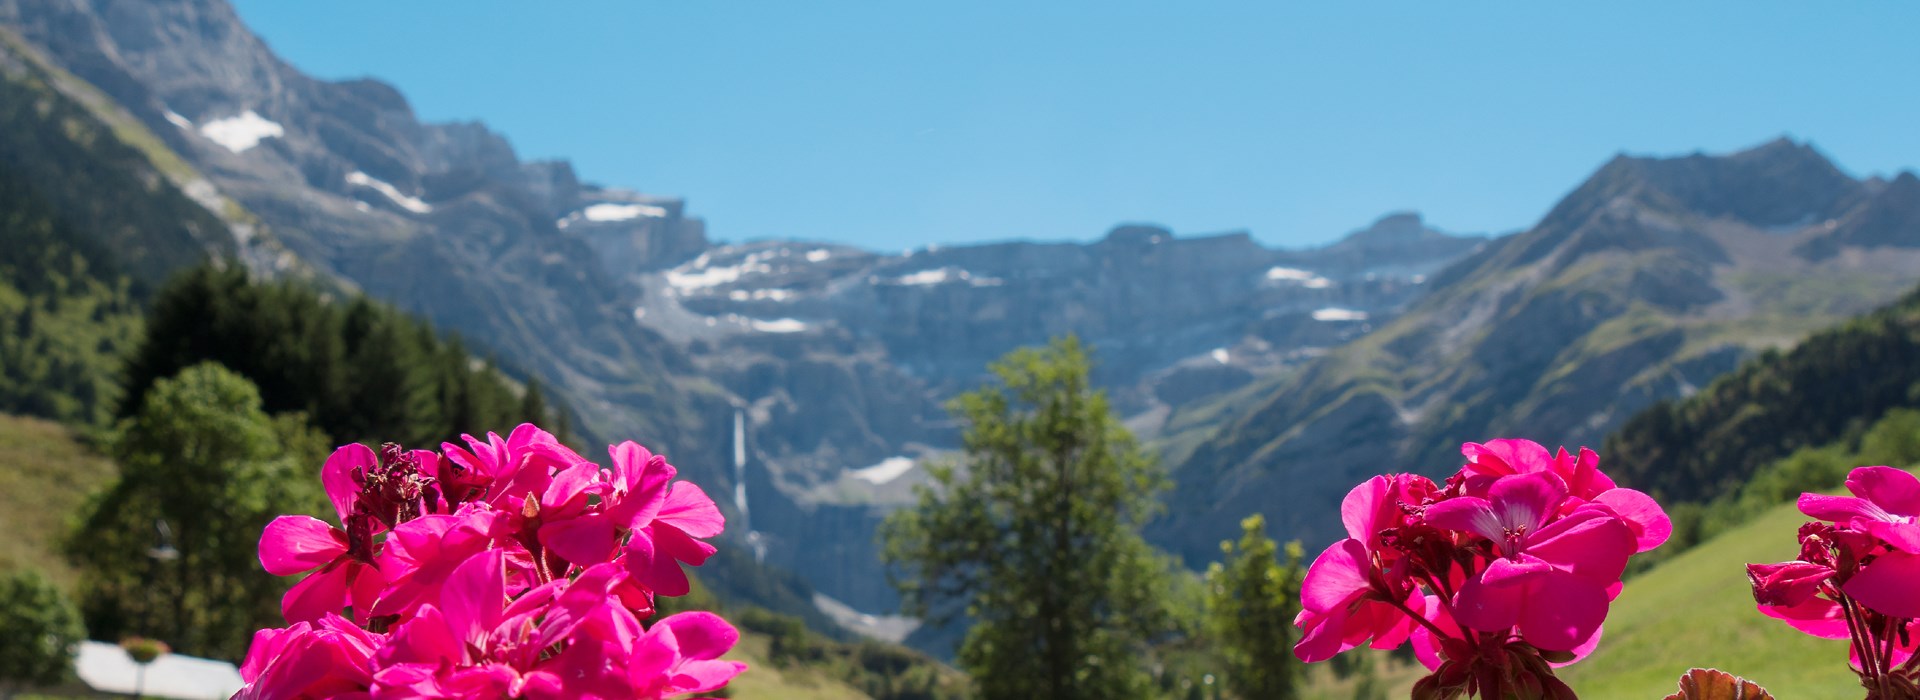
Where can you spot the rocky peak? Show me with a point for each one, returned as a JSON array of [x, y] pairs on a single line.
[[1394, 228], [1778, 184], [1138, 234]]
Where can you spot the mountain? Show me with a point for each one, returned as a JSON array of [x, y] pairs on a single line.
[[840, 358], [802, 382], [805, 380], [441, 220], [1828, 388], [1650, 279]]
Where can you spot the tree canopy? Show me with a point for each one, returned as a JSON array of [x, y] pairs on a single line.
[[170, 549], [1252, 598], [1034, 536]]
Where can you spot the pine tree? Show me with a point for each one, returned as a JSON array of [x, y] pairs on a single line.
[[1252, 598], [1035, 536]]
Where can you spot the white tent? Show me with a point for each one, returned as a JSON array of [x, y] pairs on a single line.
[[107, 668]]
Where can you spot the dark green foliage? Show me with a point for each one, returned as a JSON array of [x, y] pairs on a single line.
[[1037, 540], [105, 194], [169, 550], [65, 318], [361, 370], [1833, 383], [38, 631], [1252, 598], [1894, 440]]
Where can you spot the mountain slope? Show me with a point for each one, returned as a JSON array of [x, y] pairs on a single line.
[[1647, 281], [1697, 611], [441, 220], [1832, 384]]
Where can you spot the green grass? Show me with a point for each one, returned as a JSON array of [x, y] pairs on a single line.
[[45, 474], [764, 681], [1697, 610]]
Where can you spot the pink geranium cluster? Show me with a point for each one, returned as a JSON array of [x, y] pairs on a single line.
[[1496, 576], [1856, 577], [505, 568]]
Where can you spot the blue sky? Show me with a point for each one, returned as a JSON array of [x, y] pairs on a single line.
[[896, 124]]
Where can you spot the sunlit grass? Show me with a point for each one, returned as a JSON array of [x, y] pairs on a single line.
[[45, 474]]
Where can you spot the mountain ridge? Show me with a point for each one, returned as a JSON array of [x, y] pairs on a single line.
[[1650, 278]]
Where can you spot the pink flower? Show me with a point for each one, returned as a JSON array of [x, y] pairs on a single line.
[[680, 656], [503, 472], [1580, 477], [631, 493], [1554, 578], [1886, 506], [511, 568], [328, 657], [421, 554], [1341, 608], [668, 534], [294, 544], [1856, 577]]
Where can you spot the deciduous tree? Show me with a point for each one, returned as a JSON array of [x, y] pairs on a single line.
[[1035, 536]]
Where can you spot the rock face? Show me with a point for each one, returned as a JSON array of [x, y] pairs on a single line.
[[1649, 280], [841, 358]]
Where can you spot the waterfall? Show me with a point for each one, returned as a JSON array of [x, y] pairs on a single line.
[[740, 484]]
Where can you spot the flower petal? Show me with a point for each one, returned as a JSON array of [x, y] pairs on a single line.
[[1562, 611], [1887, 585], [1840, 509], [295, 543], [1525, 501], [1493, 601], [1466, 514], [1786, 584], [690, 510], [322, 592], [653, 567], [1335, 577], [337, 476], [589, 539], [1903, 536], [702, 635], [1505, 457], [1591, 542], [645, 477], [1815, 616], [1649, 522], [1360, 510], [475, 595], [1321, 635], [1895, 490]]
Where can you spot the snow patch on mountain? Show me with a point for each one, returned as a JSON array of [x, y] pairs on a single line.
[[942, 275], [608, 211], [1300, 277], [779, 325], [240, 133], [1332, 313], [887, 470], [412, 204]]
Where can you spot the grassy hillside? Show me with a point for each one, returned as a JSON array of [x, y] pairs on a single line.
[[45, 473], [1697, 610], [765, 681]]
